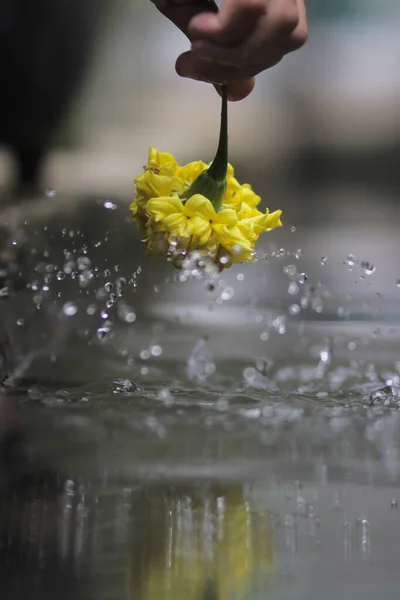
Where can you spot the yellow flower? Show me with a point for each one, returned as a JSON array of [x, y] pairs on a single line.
[[166, 217]]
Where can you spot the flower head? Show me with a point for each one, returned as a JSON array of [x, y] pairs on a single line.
[[199, 207], [165, 216]]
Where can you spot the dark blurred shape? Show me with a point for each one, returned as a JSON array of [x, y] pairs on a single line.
[[45, 46]]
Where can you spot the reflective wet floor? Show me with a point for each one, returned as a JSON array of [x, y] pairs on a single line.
[[176, 492]]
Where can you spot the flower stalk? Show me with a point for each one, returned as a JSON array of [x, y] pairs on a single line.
[[211, 183]]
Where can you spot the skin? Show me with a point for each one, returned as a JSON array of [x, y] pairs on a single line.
[[242, 39]]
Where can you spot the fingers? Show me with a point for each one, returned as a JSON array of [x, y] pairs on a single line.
[[234, 22], [299, 35], [237, 89], [240, 89], [219, 71]]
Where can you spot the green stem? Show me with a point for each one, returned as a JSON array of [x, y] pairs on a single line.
[[211, 183], [219, 165]]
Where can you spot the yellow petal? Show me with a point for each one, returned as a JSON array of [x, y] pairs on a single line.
[[254, 225], [227, 216], [200, 205], [201, 230], [160, 208], [230, 173], [274, 220], [191, 171], [247, 212], [232, 236], [162, 162], [176, 224], [133, 207], [150, 185], [248, 196], [233, 187]]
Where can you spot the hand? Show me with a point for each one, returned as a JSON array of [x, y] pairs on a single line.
[[242, 39]]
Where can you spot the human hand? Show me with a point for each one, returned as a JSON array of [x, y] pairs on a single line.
[[242, 39]]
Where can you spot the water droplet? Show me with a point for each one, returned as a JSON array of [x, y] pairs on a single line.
[[293, 228], [290, 270], [394, 504], [109, 205], [398, 283], [20, 322], [323, 259], [263, 365], [347, 541], [240, 277], [387, 396], [364, 529], [156, 350], [83, 263], [298, 253], [91, 309], [294, 309], [4, 292], [350, 261], [302, 278], [70, 309], [368, 268], [125, 386], [144, 354], [69, 267], [236, 249], [110, 303], [293, 288], [165, 396], [201, 365], [108, 286], [279, 324], [60, 275], [103, 332], [126, 313], [325, 356], [226, 294], [104, 314], [50, 192], [85, 277]]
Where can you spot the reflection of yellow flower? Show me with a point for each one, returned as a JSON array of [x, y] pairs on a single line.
[[196, 548], [164, 216]]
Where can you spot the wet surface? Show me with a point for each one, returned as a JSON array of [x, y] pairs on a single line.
[[196, 442]]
